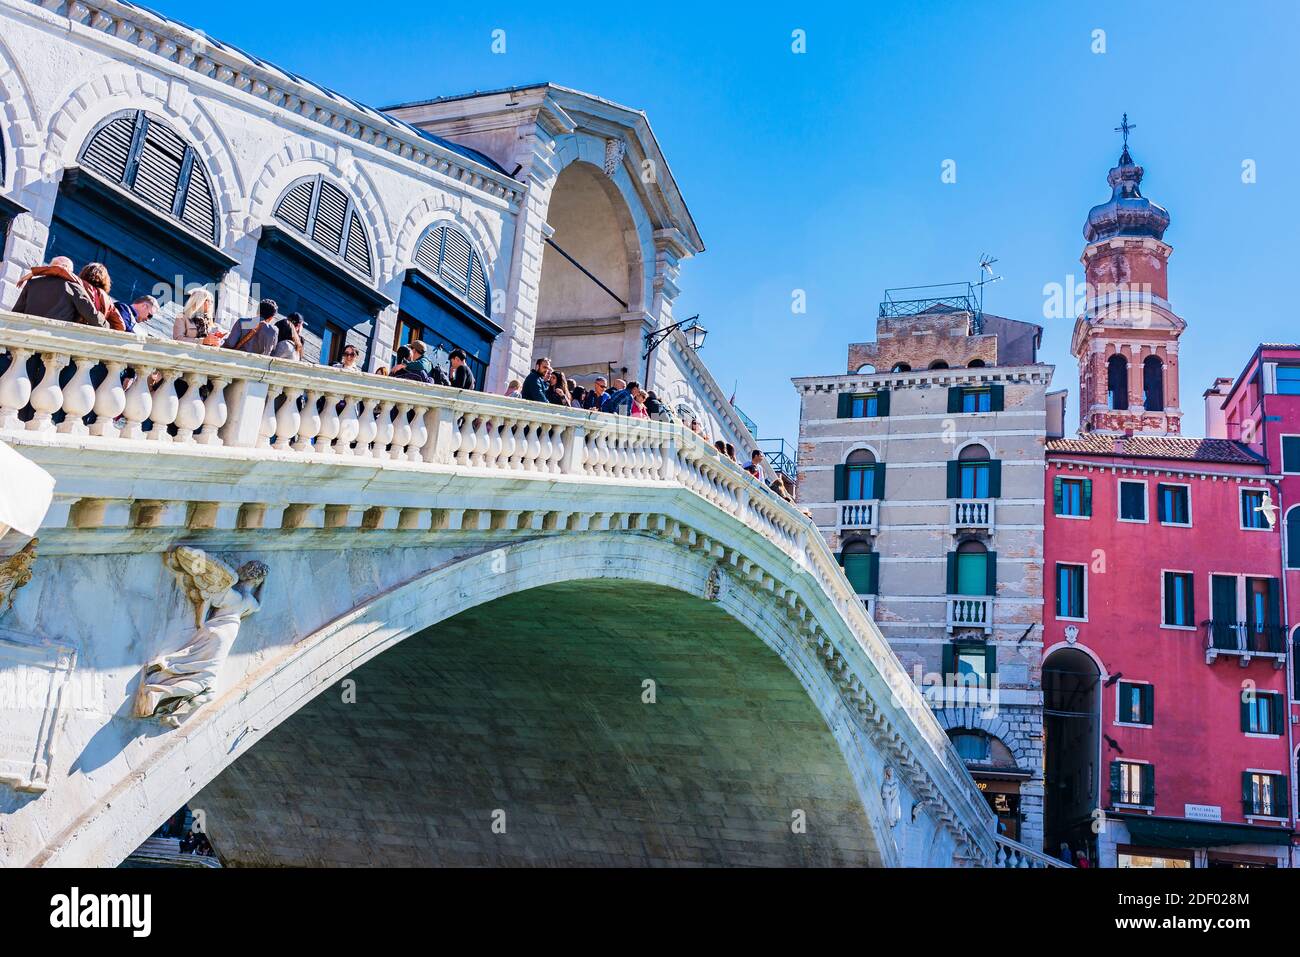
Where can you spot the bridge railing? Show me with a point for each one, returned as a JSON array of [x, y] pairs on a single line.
[[96, 387], [1013, 854]]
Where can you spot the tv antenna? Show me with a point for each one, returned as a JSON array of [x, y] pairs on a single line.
[[987, 277]]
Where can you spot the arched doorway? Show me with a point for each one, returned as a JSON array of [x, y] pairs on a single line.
[[537, 729], [591, 294], [1072, 726]]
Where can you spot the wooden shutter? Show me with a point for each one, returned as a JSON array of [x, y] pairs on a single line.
[[1247, 794], [456, 255], [845, 410], [357, 251], [110, 148], [995, 478], [954, 399], [1114, 782], [1281, 795], [991, 573], [1277, 713], [157, 175], [1171, 601], [1147, 775], [1291, 453], [882, 402], [1247, 704], [1147, 704], [199, 210], [949, 659], [879, 490], [990, 658], [1224, 596], [1057, 498], [331, 218], [996, 397], [952, 573], [841, 483], [954, 480], [1087, 497], [873, 573]]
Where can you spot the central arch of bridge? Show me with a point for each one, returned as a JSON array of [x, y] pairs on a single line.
[[525, 731]]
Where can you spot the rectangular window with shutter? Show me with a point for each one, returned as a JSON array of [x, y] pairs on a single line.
[[1132, 501], [1263, 712], [1136, 703], [1264, 794], [1291, 454], [1174, 504], [1071, 592], [863, 405], [1072, 497], [1179, 603], [1132, 783]]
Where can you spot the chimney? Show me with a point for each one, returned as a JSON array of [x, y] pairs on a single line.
[[1216, 424]]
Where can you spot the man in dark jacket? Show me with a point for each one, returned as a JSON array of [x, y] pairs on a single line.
[[461, 376], [536, 387], [597, 395], [620, 402], [258, 336], [54, 292]]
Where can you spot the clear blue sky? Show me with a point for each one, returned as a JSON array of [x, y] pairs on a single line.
[[821, 171]]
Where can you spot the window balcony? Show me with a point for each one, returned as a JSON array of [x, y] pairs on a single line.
[[1245, 640], [862, 516], [967, 612], [974, 514]]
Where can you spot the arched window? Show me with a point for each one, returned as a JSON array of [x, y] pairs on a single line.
[[970, 569], [860, 483], [972, 746], [938, 364], [975, 364], [866, 369], [1117, 382], [974, 474], [1153, 384], [447, 255], [861, 566], [901, 367], [141, 153], [1293, 537], [327, 216]]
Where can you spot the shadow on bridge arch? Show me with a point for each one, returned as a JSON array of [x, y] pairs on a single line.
[[509, 688]]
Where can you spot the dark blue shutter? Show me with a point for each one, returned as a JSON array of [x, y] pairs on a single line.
[[954, 399], [991, 658], [1115, 782], [991, 573], [845, 408], [1148, 777], [995, 478], [952, 573], [879, 490], [949, 659], [954, 480], [1087, 497], [1057, 499], [841, 483], [1148, 704], [882, 402], [996, 397], [873, 574]]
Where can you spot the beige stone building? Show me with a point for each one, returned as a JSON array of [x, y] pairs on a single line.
[[923, 467]]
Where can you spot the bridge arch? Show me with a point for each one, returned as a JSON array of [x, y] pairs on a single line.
[[230, 727]]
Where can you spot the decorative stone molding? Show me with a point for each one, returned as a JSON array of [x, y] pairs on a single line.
[[15, 572], [34, 673]]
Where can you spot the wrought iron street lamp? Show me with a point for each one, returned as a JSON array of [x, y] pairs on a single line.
[[690, 328]]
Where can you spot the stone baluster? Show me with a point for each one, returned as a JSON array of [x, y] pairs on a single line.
[[401, 432], [496, 445], [287, 419], [481, 440], [509, 444], [15, 389], [419, 436], [47, 397], [110, 400], [368, 426], [270, 420], [138, 405], [214, 413], [534, 449], [189, 416], [165, 406], [383, 430], [464, 440], [555, 462], [544, 448], [329, 424], [78, 398], [308, 423], [349, 427]]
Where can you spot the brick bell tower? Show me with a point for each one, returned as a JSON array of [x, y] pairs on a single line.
[[1126, 339]]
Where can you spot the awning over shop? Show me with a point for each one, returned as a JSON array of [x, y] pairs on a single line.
[[1180, 832]]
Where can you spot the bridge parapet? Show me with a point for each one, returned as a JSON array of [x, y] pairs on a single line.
[[228, 416]]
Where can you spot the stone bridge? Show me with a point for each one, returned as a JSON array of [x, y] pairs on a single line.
[[492, 632]]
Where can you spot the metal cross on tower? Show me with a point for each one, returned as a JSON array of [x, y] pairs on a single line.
[[1124, 128]]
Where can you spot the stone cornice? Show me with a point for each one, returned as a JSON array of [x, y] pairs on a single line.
[[996, 375], [190, 51]]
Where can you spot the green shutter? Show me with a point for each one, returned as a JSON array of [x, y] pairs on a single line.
[[954, 480], [1277, 713], [1087, 496], [995, 478], [1291, 453], [845, 410], [996, 397], [882, 402], [873, 574], [1171, 604], [952, 573], [991, 658], [841, 483], [991, 570], [1148, 704], [1247, 794], [1274, 604], [1246, 705], [1148, 778], [1114, 781], [839, 557], [949, 659], [1056, 496], [1281, 795], [879, 489], [954, 399]]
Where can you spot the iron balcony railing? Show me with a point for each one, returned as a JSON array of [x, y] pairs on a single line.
[[917, 300], [1245, 639]]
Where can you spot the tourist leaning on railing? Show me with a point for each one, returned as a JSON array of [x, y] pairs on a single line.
[[55, 292], [255, 336]]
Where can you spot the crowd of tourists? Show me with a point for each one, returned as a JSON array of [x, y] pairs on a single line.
[[55, 291]]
